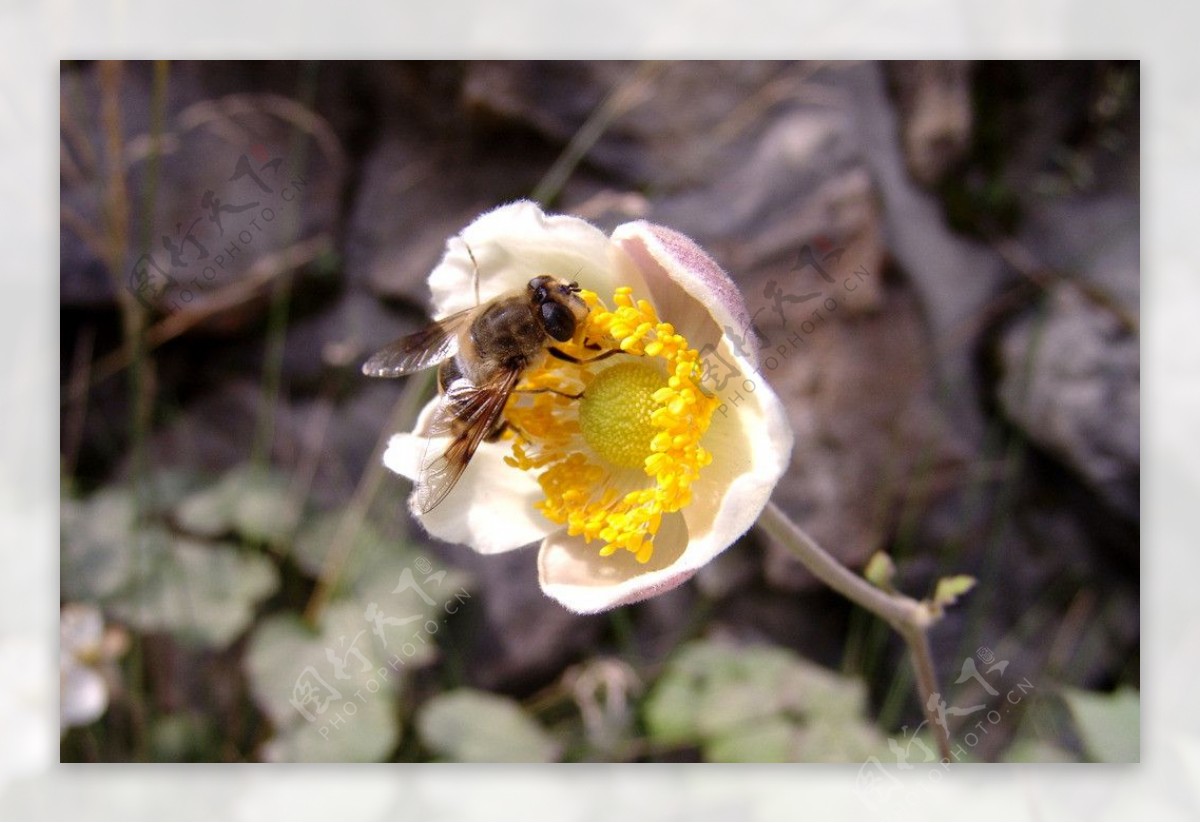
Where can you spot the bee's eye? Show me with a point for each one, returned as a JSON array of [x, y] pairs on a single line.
[[558, 321], [540, 295]]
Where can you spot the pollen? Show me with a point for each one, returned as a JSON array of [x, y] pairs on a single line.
[[616, 439]]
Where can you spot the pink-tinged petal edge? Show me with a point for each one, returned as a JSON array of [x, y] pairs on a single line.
[[691, 269]]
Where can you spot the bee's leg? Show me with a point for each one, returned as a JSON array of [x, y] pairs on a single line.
[[503, 429], [592, 345], [447, 373], [499, 430], [562, 355]]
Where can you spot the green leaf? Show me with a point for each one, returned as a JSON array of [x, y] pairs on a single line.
[[758, 703], [201, 592], [265, 510], [368, 736], [383, 571], [164, 489], [766, 740], [365, 551], [1037, 751], [949, 589], [329, 693], [96, 539], [478, 727], [880, 571], [183, 737], [206, 513], [707, 689], [1109, 724], [254, 503]]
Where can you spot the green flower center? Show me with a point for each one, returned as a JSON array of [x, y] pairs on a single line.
[[614, 414]]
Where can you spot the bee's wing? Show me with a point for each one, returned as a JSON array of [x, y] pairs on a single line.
[[475, 411], [419, 350]]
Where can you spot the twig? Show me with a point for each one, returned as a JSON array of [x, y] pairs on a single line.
[[910, 618]]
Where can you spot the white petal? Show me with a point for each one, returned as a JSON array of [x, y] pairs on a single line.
[[687, 286], [573, 572], [491, 509], [517, 242]]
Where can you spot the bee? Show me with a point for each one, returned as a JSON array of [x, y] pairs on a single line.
[[481, 354]]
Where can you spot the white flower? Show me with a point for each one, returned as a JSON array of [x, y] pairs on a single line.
[[85, 649], [674, 448]]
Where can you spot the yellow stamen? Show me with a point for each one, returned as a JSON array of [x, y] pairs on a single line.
[[642, 415]]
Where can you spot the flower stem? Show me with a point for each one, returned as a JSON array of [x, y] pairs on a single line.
[[910, 618]]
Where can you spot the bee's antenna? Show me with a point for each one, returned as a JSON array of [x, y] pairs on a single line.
[[475, 264]]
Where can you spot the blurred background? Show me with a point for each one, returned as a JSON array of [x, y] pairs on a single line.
[[240, 579]]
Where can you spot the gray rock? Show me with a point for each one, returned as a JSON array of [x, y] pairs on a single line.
[[1071, 381], [802, 184], [1095, 238], [223, 183], [394, 240], [341, 336], [861, 398], [954, 278], [934, 101], [676, 121], [527, 637], [413, 196]]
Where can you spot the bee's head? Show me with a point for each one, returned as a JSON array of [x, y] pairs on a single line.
[[558, 306]]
